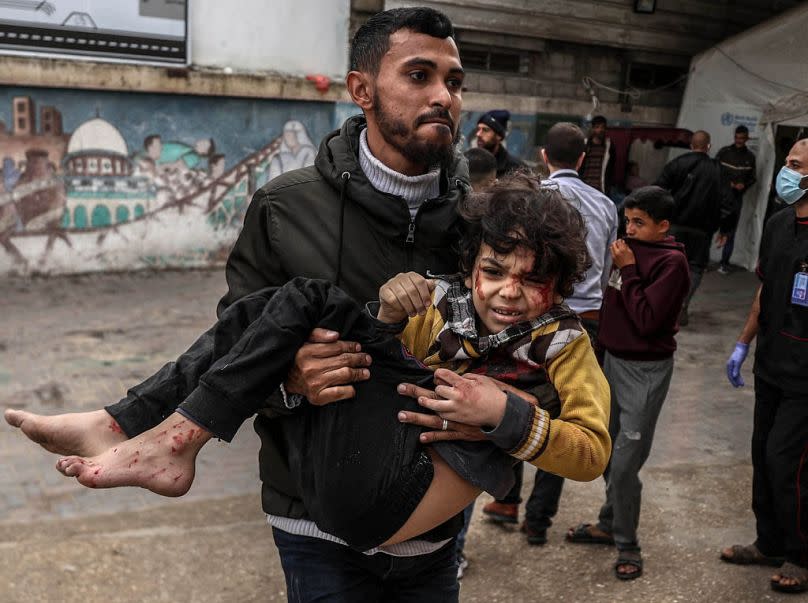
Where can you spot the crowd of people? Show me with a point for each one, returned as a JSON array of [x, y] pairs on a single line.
[[449, 316]]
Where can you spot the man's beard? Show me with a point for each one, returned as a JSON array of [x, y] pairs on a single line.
[[396, 133], [491, 147]]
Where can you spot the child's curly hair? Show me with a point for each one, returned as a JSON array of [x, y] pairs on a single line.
[[519, 211]]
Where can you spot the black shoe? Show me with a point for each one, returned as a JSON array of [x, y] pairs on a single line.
[[534, 537]]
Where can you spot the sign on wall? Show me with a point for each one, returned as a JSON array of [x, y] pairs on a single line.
[[132, 30]]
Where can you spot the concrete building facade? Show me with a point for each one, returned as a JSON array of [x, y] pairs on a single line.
[[262, 88]]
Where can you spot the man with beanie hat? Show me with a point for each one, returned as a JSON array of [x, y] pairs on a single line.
[[492, 128]]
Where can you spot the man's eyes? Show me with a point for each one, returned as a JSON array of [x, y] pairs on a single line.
[[454, 83]]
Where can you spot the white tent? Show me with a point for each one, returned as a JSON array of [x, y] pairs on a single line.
[[758, 78]]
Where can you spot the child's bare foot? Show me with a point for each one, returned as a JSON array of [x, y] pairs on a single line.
[[162, 460], [82, 433]]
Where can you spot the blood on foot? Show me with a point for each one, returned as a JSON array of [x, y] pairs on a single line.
[[114, 427]]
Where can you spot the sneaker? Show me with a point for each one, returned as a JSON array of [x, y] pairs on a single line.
[[534, 537], [462, 565], [501, 512], [723, 270]]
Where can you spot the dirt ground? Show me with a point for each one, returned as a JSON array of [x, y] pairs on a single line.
[[76, 343]]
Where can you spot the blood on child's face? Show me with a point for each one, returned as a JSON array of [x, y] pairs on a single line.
[[503, 291]]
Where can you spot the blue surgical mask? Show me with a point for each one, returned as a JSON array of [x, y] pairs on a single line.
[[790, 186]]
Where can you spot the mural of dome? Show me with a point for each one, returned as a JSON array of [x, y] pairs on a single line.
[[97, 135]]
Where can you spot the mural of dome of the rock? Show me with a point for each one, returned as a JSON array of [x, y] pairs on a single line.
[[99, 182], [101, 188]]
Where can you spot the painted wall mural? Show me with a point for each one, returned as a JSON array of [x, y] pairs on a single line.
[[113, 181]]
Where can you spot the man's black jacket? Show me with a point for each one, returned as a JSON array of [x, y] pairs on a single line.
[[694, 180], [326, 222]]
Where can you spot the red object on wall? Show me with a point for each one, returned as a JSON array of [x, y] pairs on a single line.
[[623, 137], [321, 82]]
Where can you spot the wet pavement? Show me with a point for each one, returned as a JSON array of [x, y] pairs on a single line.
[[75, 343]]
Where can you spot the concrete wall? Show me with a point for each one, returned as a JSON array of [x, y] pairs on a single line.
[[300, 37]]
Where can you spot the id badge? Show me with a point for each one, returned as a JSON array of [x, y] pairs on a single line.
[[799, 292]]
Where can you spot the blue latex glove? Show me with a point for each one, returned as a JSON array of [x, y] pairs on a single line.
[[735, 362]]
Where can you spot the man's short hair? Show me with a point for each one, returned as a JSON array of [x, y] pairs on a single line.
[[150, 139], [481, 163], [599, 119], [742, 130], [653, 200], [565, 143], [700, 140], [372, 40]]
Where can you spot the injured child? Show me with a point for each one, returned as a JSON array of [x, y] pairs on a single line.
[[480, 339]]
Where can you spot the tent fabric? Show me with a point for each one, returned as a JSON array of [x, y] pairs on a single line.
[[759, 79], [785, 108]]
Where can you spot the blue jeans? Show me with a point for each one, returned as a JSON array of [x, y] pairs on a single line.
[[460, 540], [319, 570]]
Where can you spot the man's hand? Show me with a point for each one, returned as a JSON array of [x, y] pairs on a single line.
[[325, 366], [405, 295], [454, 430], [735, 362], [622, 254], [721, 240]]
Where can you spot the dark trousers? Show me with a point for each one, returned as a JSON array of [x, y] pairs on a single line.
[[697, 250], [318, 570], [780, 474], [727, 249], [729, 246]]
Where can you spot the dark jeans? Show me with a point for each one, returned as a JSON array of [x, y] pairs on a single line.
[[732, 224], [318, 570], [697, 250], [780, 474], [542, 505], [460, 540], [727, 249]]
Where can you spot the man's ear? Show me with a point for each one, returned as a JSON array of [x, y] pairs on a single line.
[[580, 161], [358, 86], [664, 226]]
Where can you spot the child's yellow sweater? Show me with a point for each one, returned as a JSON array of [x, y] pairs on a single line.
[[550, 357]]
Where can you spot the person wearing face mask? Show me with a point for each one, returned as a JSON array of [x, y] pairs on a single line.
[[779, 319]]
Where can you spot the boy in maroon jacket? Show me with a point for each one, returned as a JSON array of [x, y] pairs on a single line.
[[638, 321]]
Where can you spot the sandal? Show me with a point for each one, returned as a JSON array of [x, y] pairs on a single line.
[[632, 558], [749, 554], [582, 534], [795, 572]]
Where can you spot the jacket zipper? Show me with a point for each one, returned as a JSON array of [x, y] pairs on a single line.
[[409, 242]]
